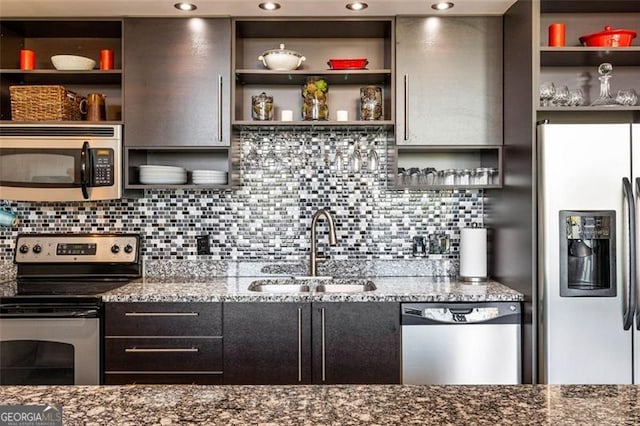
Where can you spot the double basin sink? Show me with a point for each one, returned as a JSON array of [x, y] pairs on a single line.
[[312, 285]]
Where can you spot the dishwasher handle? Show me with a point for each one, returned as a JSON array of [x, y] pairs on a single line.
[[434, 314]]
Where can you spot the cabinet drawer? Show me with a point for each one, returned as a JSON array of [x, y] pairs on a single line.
[[163, 378], [163, 319], [163, 354]]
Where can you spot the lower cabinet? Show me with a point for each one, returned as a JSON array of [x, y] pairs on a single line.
[[324, 342], [163, 343]]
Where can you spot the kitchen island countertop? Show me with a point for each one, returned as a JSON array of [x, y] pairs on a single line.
[[336, 404]]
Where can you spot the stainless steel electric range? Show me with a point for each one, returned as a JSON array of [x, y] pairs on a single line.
[[50, 331]]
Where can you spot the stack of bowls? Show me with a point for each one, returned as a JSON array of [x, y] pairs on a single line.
[[166, 175]]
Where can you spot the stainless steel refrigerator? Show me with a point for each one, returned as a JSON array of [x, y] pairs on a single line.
[[588, 188]]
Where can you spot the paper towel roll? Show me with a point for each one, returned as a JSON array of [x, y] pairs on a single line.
[[473, 254]]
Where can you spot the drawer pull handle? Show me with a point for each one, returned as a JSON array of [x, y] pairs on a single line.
[[161, 314], [141, 350]]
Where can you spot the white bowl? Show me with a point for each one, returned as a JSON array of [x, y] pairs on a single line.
[[72, 63], [281, 59]]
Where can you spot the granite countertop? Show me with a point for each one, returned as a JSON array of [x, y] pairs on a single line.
[[235, 289], [336, 404], [388, 289]]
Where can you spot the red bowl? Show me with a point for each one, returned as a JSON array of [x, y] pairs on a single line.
[[347, 64], [608, 38]]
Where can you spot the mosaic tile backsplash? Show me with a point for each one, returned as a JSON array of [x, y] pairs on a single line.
[[285, 177]]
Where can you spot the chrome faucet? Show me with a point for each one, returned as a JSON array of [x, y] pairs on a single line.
[[332, 238]]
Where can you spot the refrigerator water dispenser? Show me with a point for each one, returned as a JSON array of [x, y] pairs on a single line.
[[587, 253]]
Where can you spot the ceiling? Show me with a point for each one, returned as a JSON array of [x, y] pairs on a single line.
[[298, 8]]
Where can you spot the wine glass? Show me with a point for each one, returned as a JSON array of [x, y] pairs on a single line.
[[355, 159], [372, 156], [547, 91]]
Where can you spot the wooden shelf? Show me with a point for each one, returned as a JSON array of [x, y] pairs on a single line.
[[63, 77], [328, 123], [185, 186], [297, 77], [590, 108], [589, 56], [443, 187]]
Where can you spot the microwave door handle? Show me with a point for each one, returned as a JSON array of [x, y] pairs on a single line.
[[630, 311], [84, 156]]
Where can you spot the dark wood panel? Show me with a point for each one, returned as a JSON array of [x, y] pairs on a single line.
[[261, 343], [171, 81], [314, 27], [163, 319], [163, 354], [362, 342], [164, 379]]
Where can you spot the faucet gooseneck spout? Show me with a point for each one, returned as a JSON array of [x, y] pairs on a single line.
[[332, 238]]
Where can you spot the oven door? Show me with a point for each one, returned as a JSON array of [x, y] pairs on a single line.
[[60, 168], [49, 351]]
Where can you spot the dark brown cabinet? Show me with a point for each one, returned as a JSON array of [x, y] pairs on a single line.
[[163, 343], [302, 343], [177, 103], [177, 81]]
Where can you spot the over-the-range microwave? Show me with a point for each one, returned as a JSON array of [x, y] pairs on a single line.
[[60, 162]]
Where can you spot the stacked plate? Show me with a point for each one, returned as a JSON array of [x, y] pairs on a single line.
[[166, 175], [209, 177]]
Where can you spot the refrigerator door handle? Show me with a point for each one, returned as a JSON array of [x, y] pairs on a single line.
[[631, 211], [635, 293]]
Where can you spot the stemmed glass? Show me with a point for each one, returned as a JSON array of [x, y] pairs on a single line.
[[547, 91], [372, 155], [252, 157], [355, 159]]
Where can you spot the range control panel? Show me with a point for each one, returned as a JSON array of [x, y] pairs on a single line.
[[70, 248]]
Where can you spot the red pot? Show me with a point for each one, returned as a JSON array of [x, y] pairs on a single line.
[[608, 38]]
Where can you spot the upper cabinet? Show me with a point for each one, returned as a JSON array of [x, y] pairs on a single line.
[[574, 67], [318, 41], [47, 38], [449, 80], [177, 82], [449, 102], [177, 104]]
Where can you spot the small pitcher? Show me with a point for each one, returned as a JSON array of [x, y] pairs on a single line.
[[94, 107]]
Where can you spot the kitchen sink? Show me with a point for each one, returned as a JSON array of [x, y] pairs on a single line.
[[312, 285], [345, 288], [278, 288]]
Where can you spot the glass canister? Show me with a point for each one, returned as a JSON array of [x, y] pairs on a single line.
[[314, 99], [262, 107], [371, 103]]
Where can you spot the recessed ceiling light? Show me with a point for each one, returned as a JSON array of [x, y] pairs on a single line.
[[269, 5], [443, 5], [358, 5], [187, 7]]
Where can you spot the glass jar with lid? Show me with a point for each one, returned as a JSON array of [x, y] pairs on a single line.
[[314, 99], [371, 103], [262, 107]]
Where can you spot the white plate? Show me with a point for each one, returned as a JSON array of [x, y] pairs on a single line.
[[210, 181], [161, 168], [163, 180]]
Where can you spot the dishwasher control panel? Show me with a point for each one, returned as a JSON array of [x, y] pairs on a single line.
[[463, 313]]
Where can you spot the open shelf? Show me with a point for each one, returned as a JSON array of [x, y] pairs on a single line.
[[297, 77]]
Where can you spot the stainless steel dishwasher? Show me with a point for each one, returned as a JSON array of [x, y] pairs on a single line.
[[461, 343]]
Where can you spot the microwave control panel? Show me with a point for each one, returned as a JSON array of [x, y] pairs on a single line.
[[102, 161]]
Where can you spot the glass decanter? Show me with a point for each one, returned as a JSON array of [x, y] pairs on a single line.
[[605, 98]]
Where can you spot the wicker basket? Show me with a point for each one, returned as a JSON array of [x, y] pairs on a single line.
[[35, 103]]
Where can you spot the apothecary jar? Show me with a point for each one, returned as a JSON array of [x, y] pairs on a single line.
[[314, 99]]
